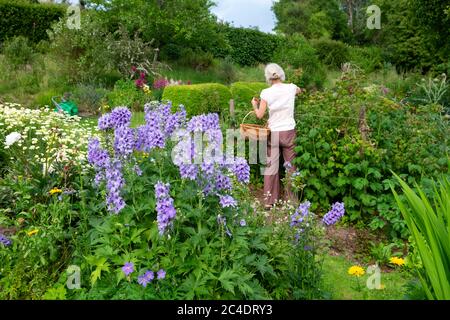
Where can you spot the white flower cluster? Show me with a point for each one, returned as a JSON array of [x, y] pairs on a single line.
[[45, 137]]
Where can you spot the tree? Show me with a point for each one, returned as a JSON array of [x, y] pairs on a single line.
[[312, 18], [185, 23]]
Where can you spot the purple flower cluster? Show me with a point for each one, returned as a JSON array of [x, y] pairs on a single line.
[[203, 123], [300, 214], [241, 170], [149, 276], [146, 278], [119, 117], [4, 240], [97, 156], [227, 201], [164, 206], [124, 141], [335, 214], [110, 170], [114, 185], [203, 140], [160, 124]]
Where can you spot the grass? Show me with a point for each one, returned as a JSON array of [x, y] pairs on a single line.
[[344, 287], [137, 119]]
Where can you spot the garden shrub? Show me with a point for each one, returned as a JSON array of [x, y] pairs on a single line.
[[89, 98], [243, 93], [337, 162], [331, 52], [367, 58], [226, 70], [28, 20], [200, 98], [125, 93], [301, 62], [18, 51]]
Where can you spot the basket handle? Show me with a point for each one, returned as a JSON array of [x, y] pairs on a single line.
[[243, 120]]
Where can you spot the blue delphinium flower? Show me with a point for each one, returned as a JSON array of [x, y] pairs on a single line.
[[120, 117], [124, 141], [243, 223], [97, 156], [222, 182], [138, 170], [128, 268], [227, 201], [188, 171], [164, 206], [149, 138], [300, 214], [4, 240], [335, 214], [114, 185], [241, 170], [222, 220], [104, 122]]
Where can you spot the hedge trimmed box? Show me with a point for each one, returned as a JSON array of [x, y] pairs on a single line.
[[28, 20], [199, 98], [243, 93]]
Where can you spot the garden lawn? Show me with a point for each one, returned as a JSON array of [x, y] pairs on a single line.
[[342, 286]]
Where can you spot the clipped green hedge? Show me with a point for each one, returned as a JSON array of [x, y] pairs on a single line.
[[243, 92], [248, 47], [199, 98], [28, 20]]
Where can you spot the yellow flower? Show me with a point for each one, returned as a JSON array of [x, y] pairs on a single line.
[[55, 190], [397, 261], [381, 287], [146, 89], [32, 232], [356, 271]]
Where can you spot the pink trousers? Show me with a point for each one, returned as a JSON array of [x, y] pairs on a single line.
[[283, 141]]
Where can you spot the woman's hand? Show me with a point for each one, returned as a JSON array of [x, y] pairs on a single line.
[[300, 90], [255, 103]]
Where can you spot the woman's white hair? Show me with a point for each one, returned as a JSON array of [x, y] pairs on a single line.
[[274, 72]]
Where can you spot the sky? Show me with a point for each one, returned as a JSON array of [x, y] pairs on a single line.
[[244, 13]]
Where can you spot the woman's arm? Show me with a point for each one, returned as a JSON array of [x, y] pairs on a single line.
[[262, 108]]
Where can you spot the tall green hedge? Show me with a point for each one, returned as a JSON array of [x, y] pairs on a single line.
[[248, 47], [200, 98], [243, 92], [29, 20]]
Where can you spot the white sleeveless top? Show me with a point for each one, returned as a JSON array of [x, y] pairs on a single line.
[[280, 99]]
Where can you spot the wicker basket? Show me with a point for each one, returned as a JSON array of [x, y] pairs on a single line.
[[254, 131]]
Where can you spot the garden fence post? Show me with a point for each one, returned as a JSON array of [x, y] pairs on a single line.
[[232, 112]]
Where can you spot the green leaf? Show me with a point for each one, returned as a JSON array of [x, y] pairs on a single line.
[[360, 183]]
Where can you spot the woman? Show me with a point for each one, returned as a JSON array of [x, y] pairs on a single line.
[[280, 100]]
